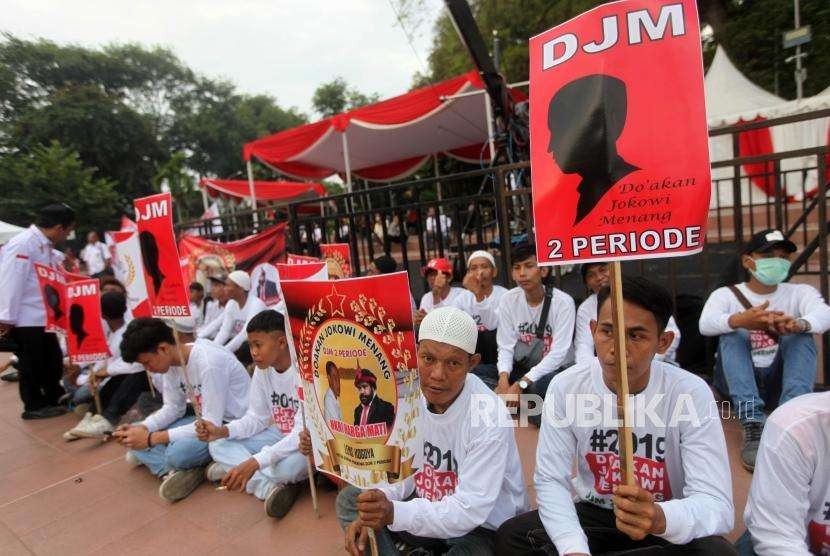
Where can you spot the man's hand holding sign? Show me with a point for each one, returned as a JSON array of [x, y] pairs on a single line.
[[621, 168]]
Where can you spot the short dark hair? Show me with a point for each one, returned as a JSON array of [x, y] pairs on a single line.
[[266, 321], [112, 281], [144, 335], [586, 266], [523, 252], [196, 286], [644, 293], [113, 305], [55, 214], [385, 264], [330, 365]]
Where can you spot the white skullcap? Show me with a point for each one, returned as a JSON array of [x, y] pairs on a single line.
[[452, 326], [482, 255], [241, 279]]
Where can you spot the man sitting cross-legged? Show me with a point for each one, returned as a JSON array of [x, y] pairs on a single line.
[[258, 452], [682, 495], [469, 477], [166, 441]]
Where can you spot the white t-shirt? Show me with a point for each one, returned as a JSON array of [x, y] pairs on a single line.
[[273, 403], [95, 255], [469, 474], [797, 300], [220, 384], [518, 321], [458, 297], [584, 341], [331, 407], [679, 455], [232, 333], [486, 311], [445, 222], [788, 510]]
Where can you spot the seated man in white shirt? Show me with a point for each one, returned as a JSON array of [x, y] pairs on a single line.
[[214, 309], [765, 330], [438, 273], [166, 441], [258, 453], [595, 277], [480, 281], [788, 510], [119, 383], [478, 457], [239, 310], [682, 496], [520, 314]]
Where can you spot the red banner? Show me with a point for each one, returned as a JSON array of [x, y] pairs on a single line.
[[619, 145], [202, 258], [53, 289], [338, 258], [166, 289], [291, 258], [129, 270], [85, 340]]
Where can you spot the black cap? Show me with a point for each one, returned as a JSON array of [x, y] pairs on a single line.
[[765, 240]]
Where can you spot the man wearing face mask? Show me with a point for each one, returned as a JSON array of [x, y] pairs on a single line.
[[766, 352]]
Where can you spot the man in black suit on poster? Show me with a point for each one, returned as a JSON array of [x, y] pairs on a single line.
[[372, 409], [266, 289]]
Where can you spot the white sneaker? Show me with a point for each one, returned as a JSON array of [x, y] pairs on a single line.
[[131, 458], [69, 436], [215, 472], [180, 483], [96, 427]]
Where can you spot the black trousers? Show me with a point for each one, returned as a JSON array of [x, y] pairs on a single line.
[[525, 534], [40, 366], [120, 393]]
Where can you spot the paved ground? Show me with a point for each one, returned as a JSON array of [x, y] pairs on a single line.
[[81, 497]]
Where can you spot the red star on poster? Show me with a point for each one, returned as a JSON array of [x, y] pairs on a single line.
[[335, 301]]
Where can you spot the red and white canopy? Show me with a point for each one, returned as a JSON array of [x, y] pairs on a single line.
[[387, 140], [274, 191]]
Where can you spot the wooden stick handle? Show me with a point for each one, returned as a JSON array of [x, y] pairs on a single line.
[[373, 542], [625, 440], [310, 464], [187, 384], [94, 388], [150, 382]]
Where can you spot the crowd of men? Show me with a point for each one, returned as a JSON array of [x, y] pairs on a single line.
[[216, 399]]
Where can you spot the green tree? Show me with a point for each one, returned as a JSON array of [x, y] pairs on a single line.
[[50, 173], [336, 96]]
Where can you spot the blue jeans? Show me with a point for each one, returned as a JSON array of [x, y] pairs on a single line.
[[744, 545], [478, 542], [186, 453], [795, 362], [230, 453]]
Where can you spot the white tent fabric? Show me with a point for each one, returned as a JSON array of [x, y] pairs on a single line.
[[732, 98], [8, 231]]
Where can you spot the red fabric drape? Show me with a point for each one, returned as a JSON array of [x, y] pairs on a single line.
[[753, 143], [265, 190]]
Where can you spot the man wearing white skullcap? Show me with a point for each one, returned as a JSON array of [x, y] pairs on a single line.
[[469, 477], [481, 272]]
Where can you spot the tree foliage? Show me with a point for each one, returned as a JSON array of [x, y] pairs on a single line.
[[337, 96]]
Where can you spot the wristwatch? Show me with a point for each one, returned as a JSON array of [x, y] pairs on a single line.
[[804, 325], [524, 383]]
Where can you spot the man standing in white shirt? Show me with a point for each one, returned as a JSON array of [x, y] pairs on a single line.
[[438, 273], [469, 478], [765, 329], [520, 313], [682, 496], [22, 315], [595, 276], [788, 510], [95, 255], [166, 441], [239, 310], [258, 453]]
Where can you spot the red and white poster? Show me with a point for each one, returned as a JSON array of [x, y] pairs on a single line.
[[85, 340], [338, 258], [619, 144], [129, 270], [166, 289], [291, 258], [52, 284]]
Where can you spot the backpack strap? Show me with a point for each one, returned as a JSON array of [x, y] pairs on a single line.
[[540, 330], [741, 297]]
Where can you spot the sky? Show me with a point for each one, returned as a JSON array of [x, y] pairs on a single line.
[[283, 48]]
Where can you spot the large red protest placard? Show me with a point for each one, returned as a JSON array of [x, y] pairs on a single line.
[[52, 284], [353, 337], [338, 257], [291, 258], [619, 148], [162, 270], [85, 341]]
